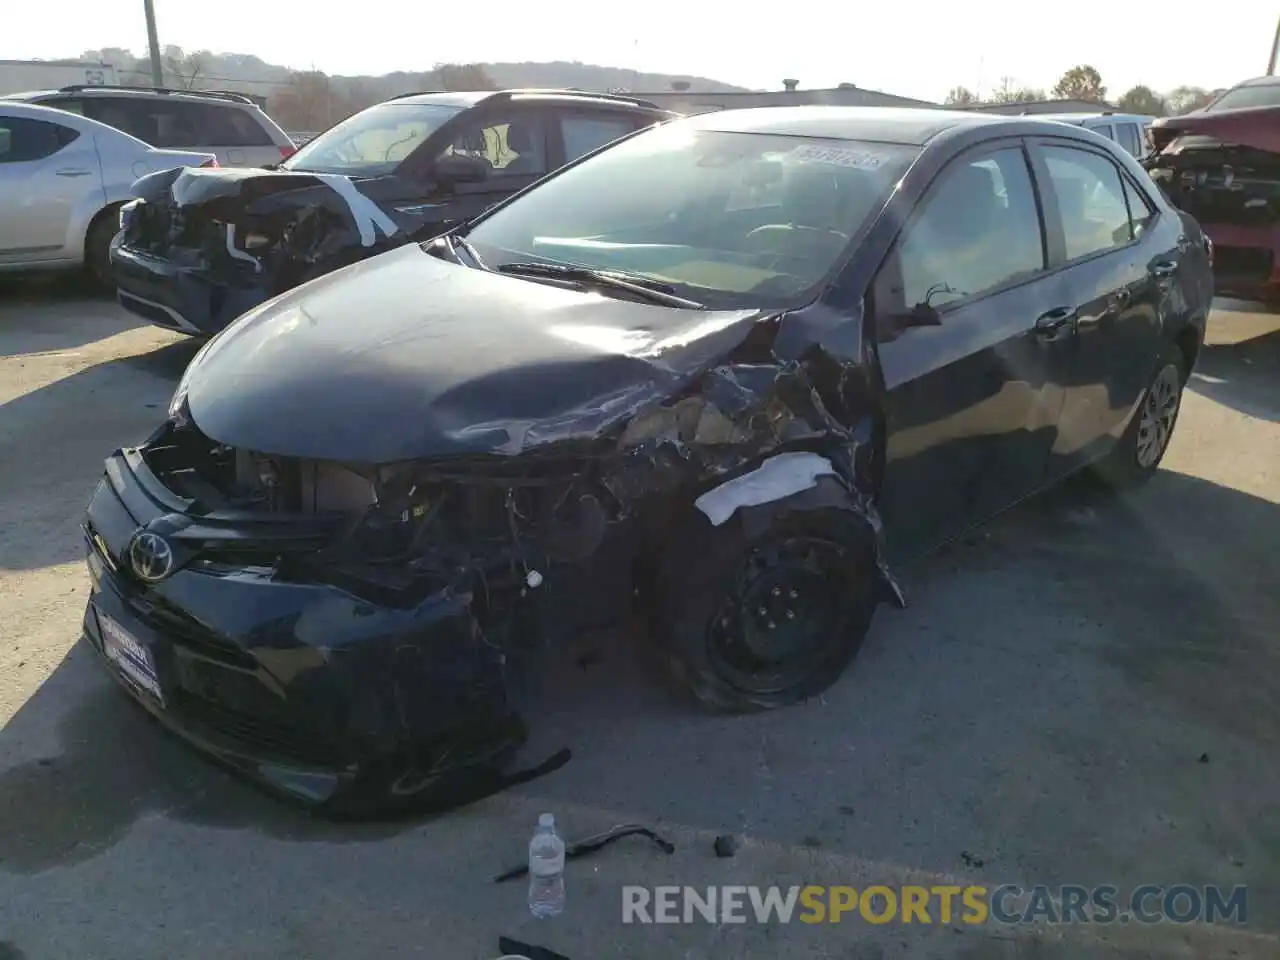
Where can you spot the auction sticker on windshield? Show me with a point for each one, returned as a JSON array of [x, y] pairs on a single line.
[[836, 156], [130, 656]]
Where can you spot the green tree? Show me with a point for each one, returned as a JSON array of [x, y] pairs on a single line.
[[1081, 83], [1144, 100], [1185, 99], [960, 97]]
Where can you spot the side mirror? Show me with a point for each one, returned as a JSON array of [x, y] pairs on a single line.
[[453, 169]]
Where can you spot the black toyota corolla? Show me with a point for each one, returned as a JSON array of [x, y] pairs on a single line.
[[722, 375]]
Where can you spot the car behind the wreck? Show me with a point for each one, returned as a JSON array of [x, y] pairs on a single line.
[[378, 497]]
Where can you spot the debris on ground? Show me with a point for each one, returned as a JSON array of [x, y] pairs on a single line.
[[515, 950], [726, 845], [591, 844]]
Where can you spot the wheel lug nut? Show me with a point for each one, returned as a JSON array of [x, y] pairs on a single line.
[[777, 591], [772, 624], [791, 614], [793, 594], [761, 610]]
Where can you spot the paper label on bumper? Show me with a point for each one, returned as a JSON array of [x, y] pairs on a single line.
[[130, 656]]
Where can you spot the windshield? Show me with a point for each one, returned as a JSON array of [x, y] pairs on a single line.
[[726, 219], [373, 142], [1262, 95]]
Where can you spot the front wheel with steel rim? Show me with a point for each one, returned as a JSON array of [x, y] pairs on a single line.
[[1146, 440], [752, 617]]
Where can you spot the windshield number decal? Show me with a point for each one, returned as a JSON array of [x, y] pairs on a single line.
[[836, 156]]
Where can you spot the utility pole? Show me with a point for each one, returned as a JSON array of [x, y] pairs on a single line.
[[153, 41], [1275, 48]]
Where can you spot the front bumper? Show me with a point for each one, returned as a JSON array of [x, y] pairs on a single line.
[[177, 296], [302, 687]]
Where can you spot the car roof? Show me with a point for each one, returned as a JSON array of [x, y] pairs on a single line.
[[906, 125], [80, 91], [1105, 117], [1259, 82], [472, 98]]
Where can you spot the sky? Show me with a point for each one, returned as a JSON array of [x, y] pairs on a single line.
[[919, 49]]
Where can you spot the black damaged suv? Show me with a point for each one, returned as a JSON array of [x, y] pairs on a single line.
[[199, 248]]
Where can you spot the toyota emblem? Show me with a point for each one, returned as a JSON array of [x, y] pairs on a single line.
[[150, 556]]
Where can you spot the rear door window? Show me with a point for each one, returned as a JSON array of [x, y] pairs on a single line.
[[1104, 129], [1091, 199], [583, 133], [227, 126], [23, 140], [1129, 138]]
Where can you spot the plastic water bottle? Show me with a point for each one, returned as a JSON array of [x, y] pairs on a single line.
[[546, 870]]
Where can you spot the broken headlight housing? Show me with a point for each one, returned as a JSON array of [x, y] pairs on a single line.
[[687, 420]]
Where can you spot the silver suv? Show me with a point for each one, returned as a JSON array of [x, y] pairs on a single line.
[[62, 181], [229, 125]]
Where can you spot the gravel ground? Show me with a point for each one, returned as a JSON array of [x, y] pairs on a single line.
[[1085, 692]]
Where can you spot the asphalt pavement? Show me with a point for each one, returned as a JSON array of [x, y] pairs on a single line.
[[1085, 692]]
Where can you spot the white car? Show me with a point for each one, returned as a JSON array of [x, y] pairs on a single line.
[[229, 125], [63, 178], [1127, 129]]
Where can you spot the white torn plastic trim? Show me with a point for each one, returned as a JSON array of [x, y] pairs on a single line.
[[778, 477], [237, 253], [368, 215]]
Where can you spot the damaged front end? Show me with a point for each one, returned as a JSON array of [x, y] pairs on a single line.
[[198, 247], [1224, 170], [376, 618]]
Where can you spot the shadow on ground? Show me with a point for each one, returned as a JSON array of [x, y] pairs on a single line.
[[54, 439], [1110, 716], [56, 313], [1243, 373]]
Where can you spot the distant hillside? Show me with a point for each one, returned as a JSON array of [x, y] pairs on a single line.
[[307, 100]]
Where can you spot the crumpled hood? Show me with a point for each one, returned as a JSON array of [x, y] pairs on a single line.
[[1257, 127], [405, 356]]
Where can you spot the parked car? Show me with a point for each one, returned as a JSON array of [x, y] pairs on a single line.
[[229, 125], [1127, 129], [1221, 164], [795, 332], [62, 181], [197, 251]]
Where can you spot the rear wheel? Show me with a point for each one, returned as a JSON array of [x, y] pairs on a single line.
[[1144, 443], [97, 248], [752, 621]]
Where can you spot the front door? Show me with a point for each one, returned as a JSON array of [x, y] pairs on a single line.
[[972, 405], [513, 141], [1113, 248], [48, 175]]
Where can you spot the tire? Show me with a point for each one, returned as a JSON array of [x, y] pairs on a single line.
[[1138, 453], [712, 584], [97, 247]]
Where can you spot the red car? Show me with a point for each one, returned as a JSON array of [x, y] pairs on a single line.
[[1221, 164]]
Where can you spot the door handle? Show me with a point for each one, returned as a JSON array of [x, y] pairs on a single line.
[[1048, 324], [66, 172], [1164, 269]]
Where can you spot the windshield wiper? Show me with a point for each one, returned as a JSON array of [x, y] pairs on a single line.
[[655, 291]]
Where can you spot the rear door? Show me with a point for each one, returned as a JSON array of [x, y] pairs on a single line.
[[972, 404], [49, 176], [1130, 137], [1117, 263]]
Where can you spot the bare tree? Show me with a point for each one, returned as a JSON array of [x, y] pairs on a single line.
[[960, 97], [464, 76], [186, 68], [1010, 91], [1185, 99]]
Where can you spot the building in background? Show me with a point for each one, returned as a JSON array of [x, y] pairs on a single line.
[[846, 95], [19, 76]]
